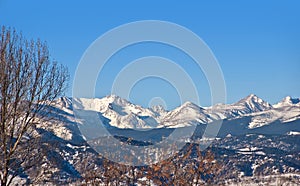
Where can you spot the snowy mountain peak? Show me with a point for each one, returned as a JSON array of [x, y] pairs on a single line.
[[254, 103], [115, 99], [290, 100], [124, 114], [120, 112], [158, 109], [253, 98], [191, 105], [287, 101]]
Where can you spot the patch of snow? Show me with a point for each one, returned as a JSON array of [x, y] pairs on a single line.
[[293, 133], [228, 135]]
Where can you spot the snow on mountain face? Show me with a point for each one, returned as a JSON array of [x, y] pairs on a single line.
[[120, 112], [123, 114], [186, 115], [252, 103], [282, 114], [288, 101], [159, 110], [293, 133], [248, 105], [285, 111]]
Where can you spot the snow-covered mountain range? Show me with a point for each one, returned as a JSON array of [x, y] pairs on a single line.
[[120, 113], [256, 139]]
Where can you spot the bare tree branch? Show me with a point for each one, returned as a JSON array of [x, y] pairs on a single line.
[[29, 83]]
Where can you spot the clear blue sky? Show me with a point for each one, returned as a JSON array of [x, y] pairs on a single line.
[[257, 43]]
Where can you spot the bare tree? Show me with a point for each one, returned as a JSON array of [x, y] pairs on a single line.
[[29, 82]]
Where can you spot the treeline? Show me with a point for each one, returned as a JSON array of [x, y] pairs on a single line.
[[191, 166]]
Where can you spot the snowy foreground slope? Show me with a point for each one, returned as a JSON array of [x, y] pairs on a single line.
[[256, 141]]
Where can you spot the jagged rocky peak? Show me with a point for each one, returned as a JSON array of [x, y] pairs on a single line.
[[253, 98], [288, 101], [158, 108], [254, 103]]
